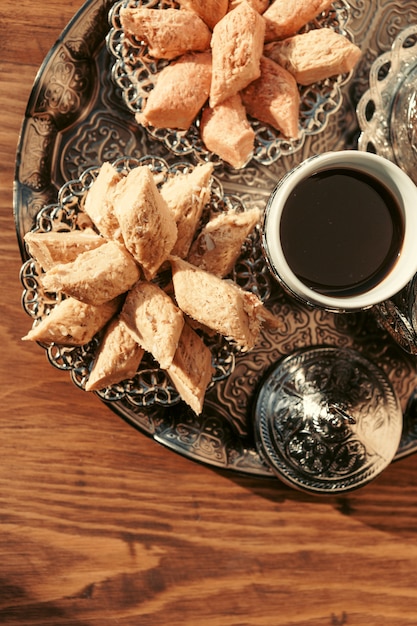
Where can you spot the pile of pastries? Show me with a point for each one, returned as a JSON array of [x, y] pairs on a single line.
[[107, 277], [232, 59]]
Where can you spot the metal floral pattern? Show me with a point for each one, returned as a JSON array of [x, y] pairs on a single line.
[[387, 116], [328, 420], [387, 110], [58, 145]]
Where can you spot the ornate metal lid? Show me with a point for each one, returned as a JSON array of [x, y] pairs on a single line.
[[327, 420]]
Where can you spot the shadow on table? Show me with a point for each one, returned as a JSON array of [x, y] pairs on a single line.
[[388, 503]]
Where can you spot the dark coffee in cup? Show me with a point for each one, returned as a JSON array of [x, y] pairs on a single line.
[[340, 230]]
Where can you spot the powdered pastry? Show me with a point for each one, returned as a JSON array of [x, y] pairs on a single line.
[[169, 33], [237, 45]]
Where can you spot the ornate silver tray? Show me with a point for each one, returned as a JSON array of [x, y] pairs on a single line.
[[76, 119]]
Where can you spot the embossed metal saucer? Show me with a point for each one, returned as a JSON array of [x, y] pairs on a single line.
[[387, 116], [387, 111], [327, 420], [398, 316]]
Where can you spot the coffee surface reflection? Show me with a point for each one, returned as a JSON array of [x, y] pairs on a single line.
[[341, 231]]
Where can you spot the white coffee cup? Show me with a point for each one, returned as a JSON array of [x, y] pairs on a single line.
[[350, 169]]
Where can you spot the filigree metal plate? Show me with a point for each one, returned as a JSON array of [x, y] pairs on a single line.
[[134, 72], [387, 116], [76, 119], [151, 385], [387, 112]]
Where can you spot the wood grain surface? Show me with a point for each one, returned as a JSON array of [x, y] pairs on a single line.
[[101, 526]]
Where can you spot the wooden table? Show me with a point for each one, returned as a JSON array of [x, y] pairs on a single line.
[[102, 526]]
